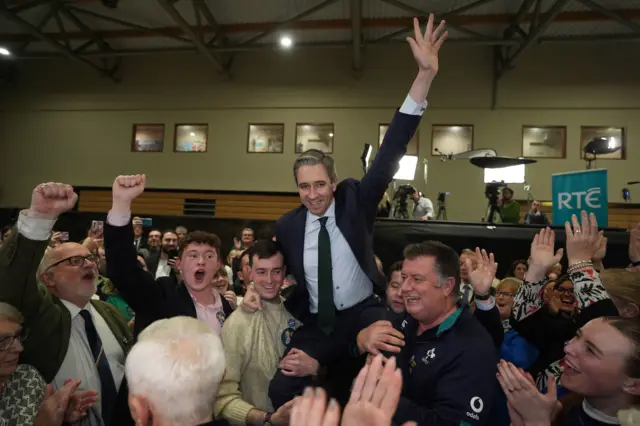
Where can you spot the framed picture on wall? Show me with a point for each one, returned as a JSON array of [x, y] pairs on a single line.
[[314, 136], [148, 137], [451, 139], [615, 135], [265, 138], [412, 148], [191, 138], [544, 141]]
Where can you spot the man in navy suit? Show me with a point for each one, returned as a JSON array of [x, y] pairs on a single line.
[[328, 246]]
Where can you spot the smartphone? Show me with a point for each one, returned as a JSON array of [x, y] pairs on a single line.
[[147, 222], [173, 253], [64, 236], [97, 225]]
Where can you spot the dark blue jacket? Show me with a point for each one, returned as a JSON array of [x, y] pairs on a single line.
[[449, 372], [356, 204]]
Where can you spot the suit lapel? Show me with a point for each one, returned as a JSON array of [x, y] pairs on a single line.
[[298, 231], [185, 304]]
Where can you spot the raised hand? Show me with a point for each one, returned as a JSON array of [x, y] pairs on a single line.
[[543, 256], [375, 395], [583, 239], [126, 189], [425, 46], [54, 404], [50, 200], [525, 399], [481, 278], [311, 409]]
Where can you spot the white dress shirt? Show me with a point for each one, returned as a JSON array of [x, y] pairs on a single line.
[[78, 363], [350, 284], [164, 270]]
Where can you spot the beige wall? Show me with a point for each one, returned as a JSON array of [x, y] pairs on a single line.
[[64, 123]]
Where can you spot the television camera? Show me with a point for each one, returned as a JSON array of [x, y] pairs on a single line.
[[401, 201]]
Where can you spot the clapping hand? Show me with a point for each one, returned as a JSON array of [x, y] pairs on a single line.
[[375, 395], [50, 200], [126, 189], [481, 278], [425, 47], [531, 406], [583, 239], [543, 256]]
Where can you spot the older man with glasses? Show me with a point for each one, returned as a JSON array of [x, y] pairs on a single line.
[[71, 336]]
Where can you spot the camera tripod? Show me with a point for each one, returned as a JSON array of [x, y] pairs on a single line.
[[442, 210], [493, 208]]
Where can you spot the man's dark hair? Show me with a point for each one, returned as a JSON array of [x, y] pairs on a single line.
[[395, 267], [201, 237], [264, 249], [447, 262], [168, 231]]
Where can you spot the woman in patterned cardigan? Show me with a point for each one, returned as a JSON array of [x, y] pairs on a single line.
[[25, 398], [549, 331]]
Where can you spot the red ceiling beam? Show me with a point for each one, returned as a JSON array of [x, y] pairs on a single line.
[[330, 24]]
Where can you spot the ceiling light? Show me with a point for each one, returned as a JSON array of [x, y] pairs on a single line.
[[192, 134], [330, 135], [286, 42], [4, 52]]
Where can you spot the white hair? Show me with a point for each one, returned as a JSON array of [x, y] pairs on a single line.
[[177, 366]]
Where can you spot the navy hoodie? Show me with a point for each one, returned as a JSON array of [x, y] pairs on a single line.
[[449, 372]]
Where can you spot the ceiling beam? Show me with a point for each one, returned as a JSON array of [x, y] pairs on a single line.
[[535, 33], [218, 34], [284, 24], [35, 32], [139, 29], [612, 15], [167, 5], [446, 16], [356, 36], [27, 6], [44, 21], [176, 33]]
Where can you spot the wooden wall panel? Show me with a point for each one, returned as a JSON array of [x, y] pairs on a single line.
[[169, 203], [624, 216]]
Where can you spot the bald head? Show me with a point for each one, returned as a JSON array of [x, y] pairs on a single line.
[[70, 272]]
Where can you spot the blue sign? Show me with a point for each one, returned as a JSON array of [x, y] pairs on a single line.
[[577, 191]]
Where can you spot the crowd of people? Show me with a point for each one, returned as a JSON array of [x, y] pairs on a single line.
[[162, 329]]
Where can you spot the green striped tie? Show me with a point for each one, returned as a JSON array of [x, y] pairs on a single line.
[[326, 306]]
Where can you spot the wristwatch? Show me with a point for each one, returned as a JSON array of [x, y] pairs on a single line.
[[267, 419]]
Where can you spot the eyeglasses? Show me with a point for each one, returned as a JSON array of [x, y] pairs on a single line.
[[564, 290], [7, 342], [76, 261], [504, 294]]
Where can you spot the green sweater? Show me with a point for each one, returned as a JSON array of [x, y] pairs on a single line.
[[511, 212], [46, 319]]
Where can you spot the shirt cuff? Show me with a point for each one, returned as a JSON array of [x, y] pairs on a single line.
[[34, 228], [486, 305], [411, 107], [118, 219]]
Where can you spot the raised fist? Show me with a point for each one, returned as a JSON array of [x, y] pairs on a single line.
[[50, 200], [126, 189]]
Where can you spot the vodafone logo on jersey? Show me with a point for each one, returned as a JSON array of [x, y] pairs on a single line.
[[477, 405]]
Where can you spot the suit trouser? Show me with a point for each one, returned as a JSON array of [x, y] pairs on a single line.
[[333, 351]]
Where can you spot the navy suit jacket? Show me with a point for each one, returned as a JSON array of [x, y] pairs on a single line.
[[356, 204]]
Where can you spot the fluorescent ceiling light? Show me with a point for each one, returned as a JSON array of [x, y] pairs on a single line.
[[4, 52]]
